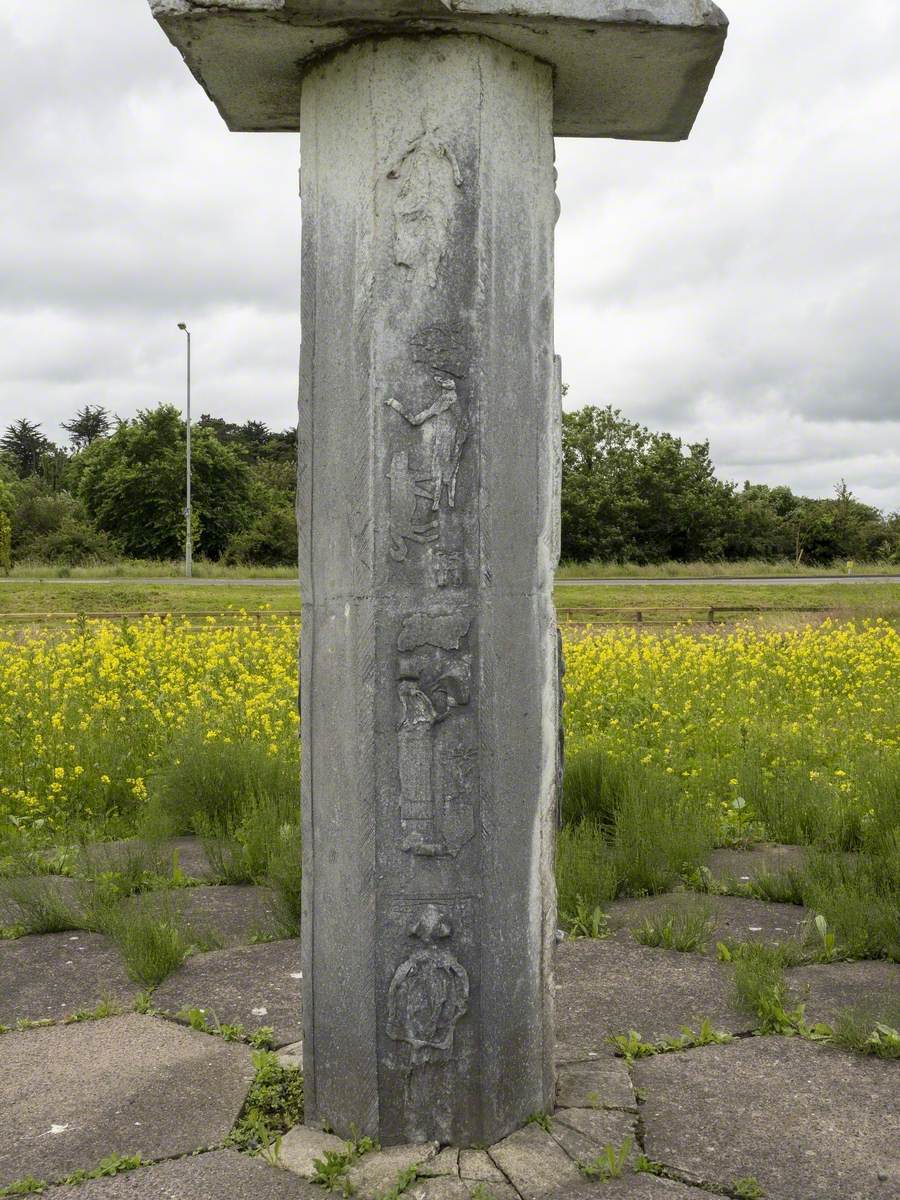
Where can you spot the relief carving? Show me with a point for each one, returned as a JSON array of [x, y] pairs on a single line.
[[428, 994], [448, 436], [447, 569], [427, 173], [444, 631], [406, 489], [437, 772]]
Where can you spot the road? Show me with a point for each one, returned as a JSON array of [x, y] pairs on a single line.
[[629, 581]]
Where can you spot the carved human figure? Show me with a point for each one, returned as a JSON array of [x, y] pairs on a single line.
[[422, 711], [449, 434], [428, 173], [428, 994], [405, 490]]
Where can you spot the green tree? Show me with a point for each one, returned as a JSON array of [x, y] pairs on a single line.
[[632, 495], [133, 486], [88, 424], [25, 446], [5, 543]]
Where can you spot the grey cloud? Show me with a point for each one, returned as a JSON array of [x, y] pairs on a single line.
[[740, 287]]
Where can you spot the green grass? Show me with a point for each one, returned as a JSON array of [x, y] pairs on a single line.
[[624, 833], [685, 929], [23, 596], [274, 1104], [39, 905], [174, 569], [746, 569], [153, 942]]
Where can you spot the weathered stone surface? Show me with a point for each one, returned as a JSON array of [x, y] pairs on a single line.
[[253, 985], [655, 61], [222, 1175], [598, 1084], [70, 1095], [428, 448], [495, 1190], [743, 866], [377, 1172], [477, 1165], [54, 975], [291, 1055], [636, 1187], [535, 1164], [743, 920], [607, 988], [809, 1122], [445, 1163], [443, 1188], [302, 1146], [871, 990], [233, 914], [584, 1132]]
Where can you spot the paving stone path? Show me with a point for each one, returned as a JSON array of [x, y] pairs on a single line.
[[806, 1121]]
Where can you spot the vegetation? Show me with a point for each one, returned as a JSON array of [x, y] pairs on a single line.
[[675, 743], [273, 1105], [685, 929], [629, 495]]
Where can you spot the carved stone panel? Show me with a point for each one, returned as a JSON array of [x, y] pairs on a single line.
[[430, 1003], [437, 761], [427, 176]]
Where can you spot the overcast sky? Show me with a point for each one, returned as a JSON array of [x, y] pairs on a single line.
[[741, 287]]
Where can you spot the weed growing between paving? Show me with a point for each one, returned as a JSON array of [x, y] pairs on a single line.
[[274, 1104], [609, 1163], [684, 929]]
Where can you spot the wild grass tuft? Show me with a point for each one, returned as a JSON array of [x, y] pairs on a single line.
[[40, 906], [686, 929]]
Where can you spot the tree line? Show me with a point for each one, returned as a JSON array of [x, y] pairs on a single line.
[[628, 495]]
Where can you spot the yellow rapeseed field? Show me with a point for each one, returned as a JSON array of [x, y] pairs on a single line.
[[85, 716], [752, 722]]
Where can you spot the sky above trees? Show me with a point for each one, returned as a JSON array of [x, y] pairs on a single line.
[[740, 287]]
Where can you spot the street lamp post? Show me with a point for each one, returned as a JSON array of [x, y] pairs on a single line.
[[188, 549]]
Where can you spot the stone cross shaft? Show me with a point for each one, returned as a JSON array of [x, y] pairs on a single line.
[[428, 498]]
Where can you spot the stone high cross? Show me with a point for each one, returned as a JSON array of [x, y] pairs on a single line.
[[429, 478]]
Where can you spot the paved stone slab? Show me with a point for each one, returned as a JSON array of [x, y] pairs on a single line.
[[233, 913], [302, 1146], [870, 989], [160, 856], [444, 1163], [809, 1122], [491, 1191], [598, 1084], [70, 1095], [742, 920], [742, 866], [477, 1165], [535, 1163], [444, 1188], [292, 1054], [377, 1172], [237, 985], [607, 988], [54, 975], [636, 1187], [584, 1133], [222, 1175]]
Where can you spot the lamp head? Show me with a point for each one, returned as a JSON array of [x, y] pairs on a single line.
[[181, 325]]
